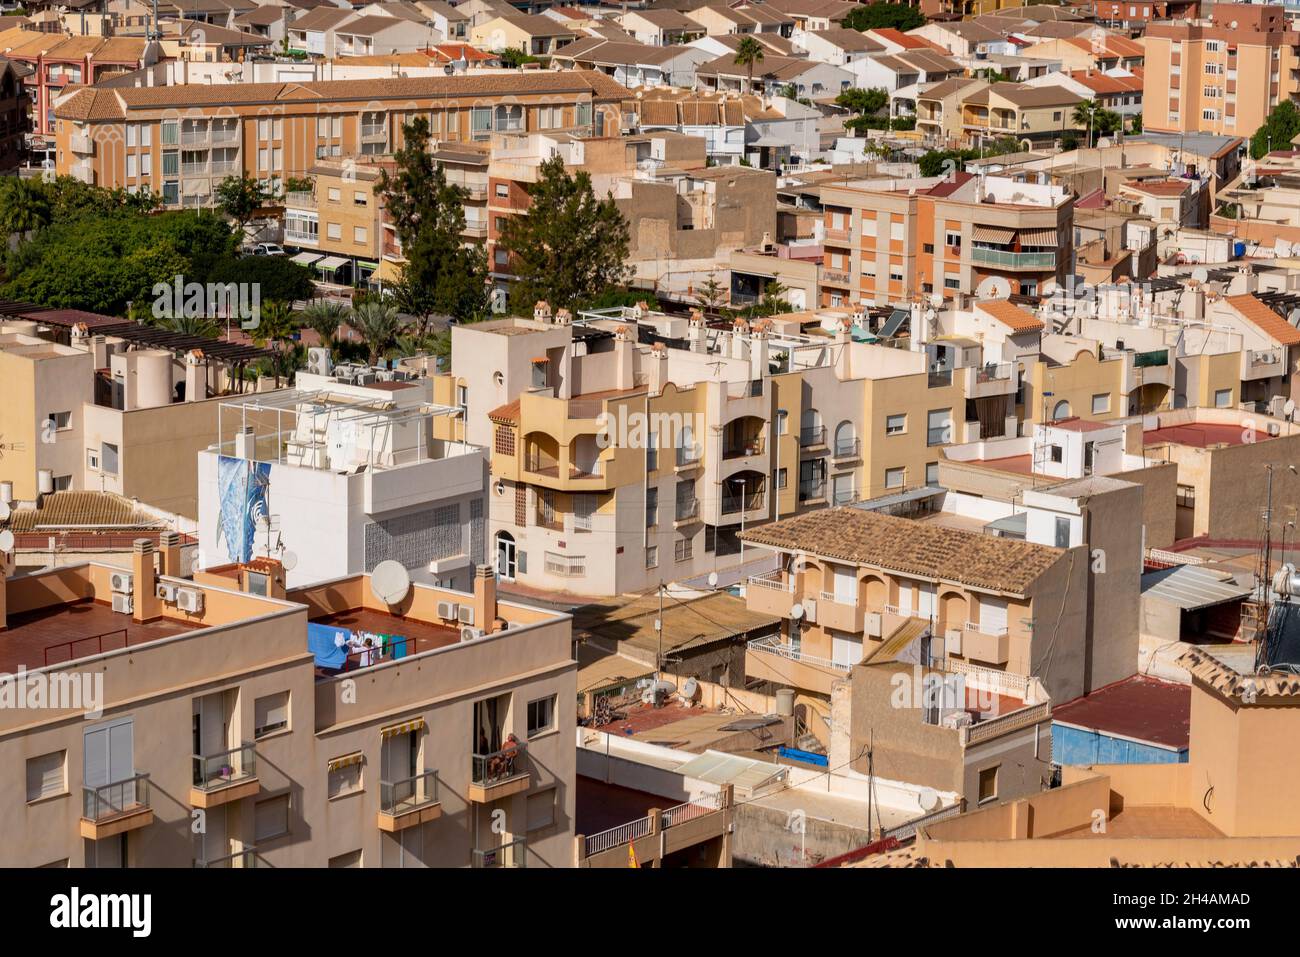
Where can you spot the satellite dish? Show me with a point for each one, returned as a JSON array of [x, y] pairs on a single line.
[[390, 582], [6, 541], [929, 799], [4, 511], [1200, 274], [936, 300], [713, 579], [289, 560], [796, 611], [1289, 409]]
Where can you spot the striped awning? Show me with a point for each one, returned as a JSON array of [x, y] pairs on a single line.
[[406, 727], [1038, 237], [992, 234], [346, 761]]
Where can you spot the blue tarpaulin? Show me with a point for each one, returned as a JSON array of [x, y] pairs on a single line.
[[321, 642]]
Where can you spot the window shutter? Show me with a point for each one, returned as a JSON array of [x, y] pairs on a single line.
[[45, 775]]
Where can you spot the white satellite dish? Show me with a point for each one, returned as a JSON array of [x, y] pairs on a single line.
[[5, 511], [929, 799], [289, 560], [713, 579], [1200, 274], [796, 611], [6, 541], [390, 582]]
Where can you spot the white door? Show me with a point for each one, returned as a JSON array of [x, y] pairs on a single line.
[[904, 598], [925, 600], [845, 649], [846, 586], [506, 558], [993, 616]]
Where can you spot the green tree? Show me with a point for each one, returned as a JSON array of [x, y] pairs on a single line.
[[874, 16], [241, 198], [749, 53], [569, 246], [1085, 117], [868, 107], [443, 274], [277, 324], [24, 206], [1281, 127], [514, 59], [711, 295], [324, 317], [378, 325], [276, 277]]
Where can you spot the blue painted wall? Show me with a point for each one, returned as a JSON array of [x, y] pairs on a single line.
[[1077, 746]]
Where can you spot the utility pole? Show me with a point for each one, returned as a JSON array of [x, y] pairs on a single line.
[[659, 629]]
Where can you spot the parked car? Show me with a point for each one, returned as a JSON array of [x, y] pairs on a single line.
[[268, 249]]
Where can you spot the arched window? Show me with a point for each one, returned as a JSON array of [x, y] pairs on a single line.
[[1061, 410], [846, 439]]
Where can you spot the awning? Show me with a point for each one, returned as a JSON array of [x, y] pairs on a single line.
[[388, 271], [992, 234], [1038, 237], [306, 259], [406, 727], [331, 263], [346, 761]]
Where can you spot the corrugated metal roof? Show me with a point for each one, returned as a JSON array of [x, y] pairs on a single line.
[[1192, 586], [746, 775]]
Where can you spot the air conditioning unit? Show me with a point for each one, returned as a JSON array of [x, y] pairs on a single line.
[[166, 591], [952, 641], [189, 599], [810, 610], [958, 719], [465, 614], [469, 634], [871, 624], [123, 604], [447, 610], [122, 582], [319, 361]]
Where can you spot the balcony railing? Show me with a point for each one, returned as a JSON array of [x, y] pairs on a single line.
[[846, 448], [993, 372], [490, 769], [990, 630], [844, 496], [775, 581], [999, 257], [812, 435], [248, 857], [112, 800], [408, 794], [686, 511], [773, 645], [196, 137], [513, 854], [752, 446], [810, 491], [302, 199], [617, 836], [739, 503], [222, 136], [215, 771], [939, 378]]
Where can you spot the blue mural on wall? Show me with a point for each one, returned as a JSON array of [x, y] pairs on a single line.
[[243, 487]]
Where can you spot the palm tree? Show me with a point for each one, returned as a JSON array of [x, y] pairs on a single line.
[[378, 325], [324, 316], [749, 52], [24, 207], [1083, 116], [276, 325], [188, 325]]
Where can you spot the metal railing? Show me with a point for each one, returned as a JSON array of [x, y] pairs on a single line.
[[738, 503], [812, 435], [98, 645], [110, 800], [811, 490], [513, 854], [617, 836], [215, 771], [248, 857], [846, 448], [939, 378], [489, 769], [687, 510], [408, 794], [904, 831], [752, 446], [993, 372], [773, 645], [696, 807]]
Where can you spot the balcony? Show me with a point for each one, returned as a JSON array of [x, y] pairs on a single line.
[[225, 136], [991, 647], [82, 144], [687, 458], [1005, 259], [771, 659], [239, 860], [753, 446], [408, 802], [1263, 363], [842, 616], [195, 137], [300, 199], [113, 809], [224, 777], [845, 450], [812, 437], [994, 378], [834, 277], [513, 854], [499, 774], [770, 594], [686, 513], [812, 491], [735, 503]]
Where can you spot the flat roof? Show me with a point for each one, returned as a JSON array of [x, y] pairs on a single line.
[[688, 622], [1202, 435], [1138, 708], [408, 635], [65, 632]]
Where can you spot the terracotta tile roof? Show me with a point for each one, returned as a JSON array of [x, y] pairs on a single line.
[[1112, 46], [1161, 187], [1011, 316], [1101, 83], [911, 548], [84, 509], [907, 42], [1265, 319], [508, 413], [1228, 681]]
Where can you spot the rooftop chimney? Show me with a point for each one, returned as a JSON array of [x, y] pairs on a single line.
[[196, 376], [625, 374], [169, 554], [147, 605], [485, 596]]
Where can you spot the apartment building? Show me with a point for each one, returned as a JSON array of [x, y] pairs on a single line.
[[1128, 15], [860, 586], [1031, 114], [937, 107], [338, 224], [14, 121], [890, 239], [222, 701], [1222, 73], [343, 472], [98, 403], [181, 141]]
